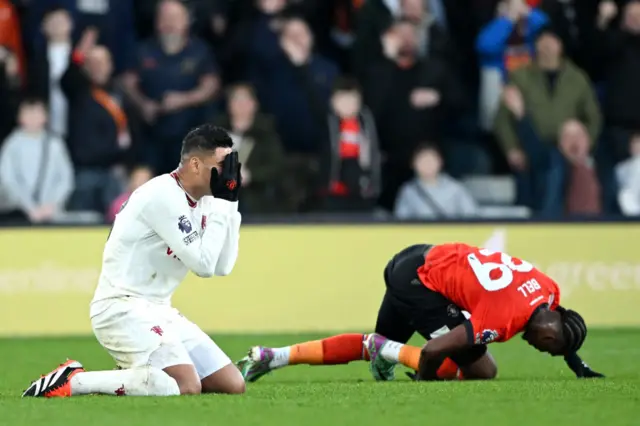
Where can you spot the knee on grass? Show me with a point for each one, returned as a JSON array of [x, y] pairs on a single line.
[[227, 380], [483, 369], [190, 388]]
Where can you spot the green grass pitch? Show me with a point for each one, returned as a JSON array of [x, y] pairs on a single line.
[[532, 389]]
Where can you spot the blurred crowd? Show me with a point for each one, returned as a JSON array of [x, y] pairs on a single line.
[[347, 106]]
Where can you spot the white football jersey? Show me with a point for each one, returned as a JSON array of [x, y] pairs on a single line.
[[159, 235]]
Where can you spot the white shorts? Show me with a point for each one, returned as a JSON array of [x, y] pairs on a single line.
[[139, 333]]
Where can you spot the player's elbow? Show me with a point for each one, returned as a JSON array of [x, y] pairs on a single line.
[[224, 270], [205, 271]]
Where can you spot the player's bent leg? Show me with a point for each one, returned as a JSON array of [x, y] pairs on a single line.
[[227, 380], [340, 349], [186, 377], [141, 381], [393, 322], [483, 368], [213, 368], [71, 380]]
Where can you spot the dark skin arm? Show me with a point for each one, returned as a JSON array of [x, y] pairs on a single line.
[[436, 350]]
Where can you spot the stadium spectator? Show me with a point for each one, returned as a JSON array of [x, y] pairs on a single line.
[[208, 18], [621, 50], [628, 177], [99, 137], [433, 194], [377, 16], [504, 45], [539, 100], [138, 176], [410, 98], [582, 193], [288, 77], [172, 82], [11, 35], [36, 175], [259, 150], [112, 18], [352, 160], [574, 20], [48, 63], [9, 90], [248, 35]]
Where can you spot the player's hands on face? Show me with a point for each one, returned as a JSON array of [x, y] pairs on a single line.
[[226, 182]]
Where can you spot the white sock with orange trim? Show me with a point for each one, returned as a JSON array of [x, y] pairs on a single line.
[[147, 381]]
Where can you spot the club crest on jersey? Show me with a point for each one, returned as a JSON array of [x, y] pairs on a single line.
[[203, 223], [487, 336], [453, 311], [184, 225]]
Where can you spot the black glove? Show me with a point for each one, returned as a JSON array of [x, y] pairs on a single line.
[[580, 368], [226, 183]]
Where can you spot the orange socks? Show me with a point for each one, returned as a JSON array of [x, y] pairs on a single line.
[[449, 370], [345, 348], [340, 349], [409, 356]]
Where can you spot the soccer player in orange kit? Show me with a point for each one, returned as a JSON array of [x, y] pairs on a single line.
[[427, 288]]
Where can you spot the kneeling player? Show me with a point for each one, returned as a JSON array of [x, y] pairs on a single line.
[[427, 286], [169, 225]]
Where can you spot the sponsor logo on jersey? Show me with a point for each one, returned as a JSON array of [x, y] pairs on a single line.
[[184, 225], [190, 238], [487, 336]]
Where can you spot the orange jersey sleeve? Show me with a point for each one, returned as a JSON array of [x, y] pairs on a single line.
[[499, 291]]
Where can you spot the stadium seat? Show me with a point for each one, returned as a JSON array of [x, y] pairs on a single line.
[[504, 212], [491, 190]]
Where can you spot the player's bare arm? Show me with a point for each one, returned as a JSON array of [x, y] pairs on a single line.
[[436, 350]]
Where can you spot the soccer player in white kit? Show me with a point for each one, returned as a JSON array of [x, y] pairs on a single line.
[[168, 227]]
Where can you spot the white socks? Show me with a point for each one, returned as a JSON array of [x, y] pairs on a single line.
[[280, 357], [146, 381], [391, 351]]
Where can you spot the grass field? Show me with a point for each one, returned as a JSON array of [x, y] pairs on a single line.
[[532, 389]]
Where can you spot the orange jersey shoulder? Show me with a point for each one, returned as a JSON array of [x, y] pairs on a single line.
[[499, 291]]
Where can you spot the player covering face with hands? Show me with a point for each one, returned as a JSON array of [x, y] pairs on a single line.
[[428, 289], [184, 221]]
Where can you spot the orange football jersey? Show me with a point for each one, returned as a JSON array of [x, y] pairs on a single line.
[[499, 291]]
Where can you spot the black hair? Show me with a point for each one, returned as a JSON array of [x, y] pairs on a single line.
[[346, 84], [206, 137], [573, 328], [232, 88], [547, 30], [426, 146], [56, 7], [33, 100]]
